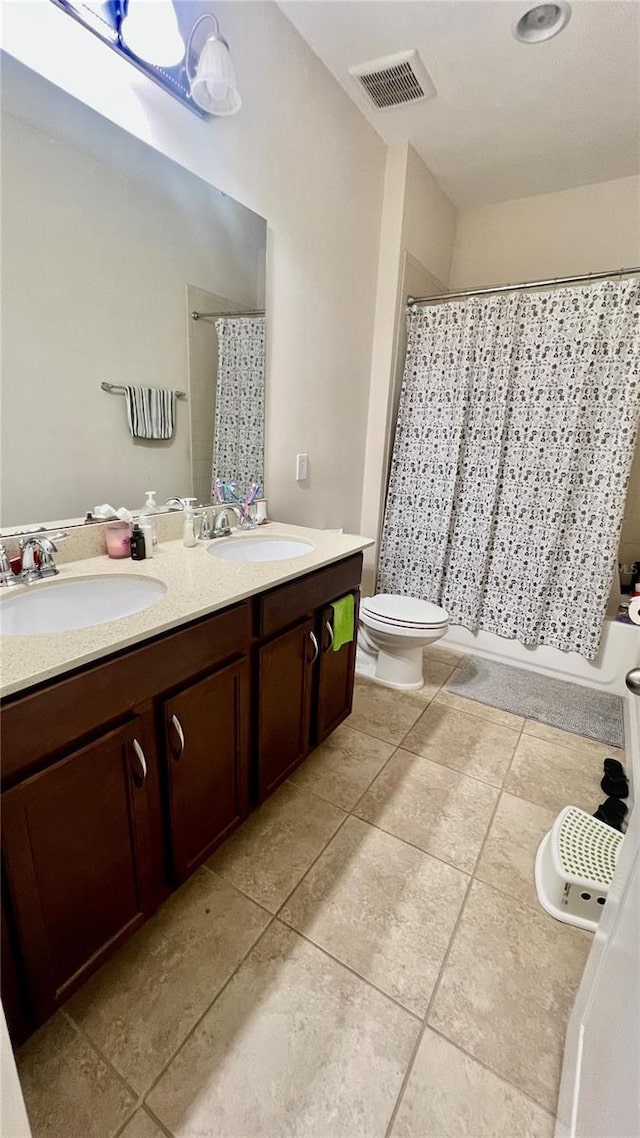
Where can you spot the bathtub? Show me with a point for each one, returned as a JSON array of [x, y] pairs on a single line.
[[618, 653]]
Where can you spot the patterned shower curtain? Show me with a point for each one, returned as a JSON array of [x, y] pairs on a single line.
[[514, 441], [238, 439]]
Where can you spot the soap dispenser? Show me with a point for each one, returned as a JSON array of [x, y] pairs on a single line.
[[147, 518], [189, 528]]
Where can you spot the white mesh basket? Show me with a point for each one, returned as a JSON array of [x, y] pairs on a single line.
[[574, 867]]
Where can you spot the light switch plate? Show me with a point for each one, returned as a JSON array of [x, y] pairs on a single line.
[[302, 467]]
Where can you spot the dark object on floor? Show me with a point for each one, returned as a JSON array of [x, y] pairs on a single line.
[[612, 812], [615, 781], [572, 707]]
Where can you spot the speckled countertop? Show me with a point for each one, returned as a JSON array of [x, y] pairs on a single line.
[[196, 582]]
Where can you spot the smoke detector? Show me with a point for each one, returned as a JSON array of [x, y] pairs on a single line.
[[394, 80]]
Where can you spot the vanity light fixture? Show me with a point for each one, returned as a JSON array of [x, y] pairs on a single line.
[[542, 22], [213, 84], [150, 30], [147, 33]]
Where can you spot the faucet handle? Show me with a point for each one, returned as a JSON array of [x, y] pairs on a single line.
[[53, 539], [7, 576]]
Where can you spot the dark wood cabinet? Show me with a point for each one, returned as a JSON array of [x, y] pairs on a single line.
[[335, 672], [285, 671], [305, 689], [120, 778], [78, 861], [207, 757]]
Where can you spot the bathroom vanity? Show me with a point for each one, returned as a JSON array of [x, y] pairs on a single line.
[[122, 774]]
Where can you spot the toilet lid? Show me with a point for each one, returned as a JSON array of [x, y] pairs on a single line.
[[404, 611]]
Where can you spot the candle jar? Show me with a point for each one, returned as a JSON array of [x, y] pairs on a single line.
[[118, 535]]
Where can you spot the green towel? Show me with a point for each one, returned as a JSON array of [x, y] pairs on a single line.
[[343, 621]]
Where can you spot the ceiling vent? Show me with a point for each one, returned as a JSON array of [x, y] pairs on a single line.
[[394, 80]]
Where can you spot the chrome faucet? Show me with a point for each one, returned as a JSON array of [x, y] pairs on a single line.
[[221, 527], [44, 566], [7, 577], [175, 503]]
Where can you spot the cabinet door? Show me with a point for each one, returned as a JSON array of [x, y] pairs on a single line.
[[207, 733], [78, 861], [336, 673], [285, 668]]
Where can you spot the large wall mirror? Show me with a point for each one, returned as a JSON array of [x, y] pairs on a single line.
[[109, 247]]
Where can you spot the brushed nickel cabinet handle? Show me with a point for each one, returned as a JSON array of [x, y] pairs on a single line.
[[329, 629], [316, 650], [179, 732], [633, 681], [141, 759]]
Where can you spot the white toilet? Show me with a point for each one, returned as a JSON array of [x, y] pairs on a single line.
[[392, 632]]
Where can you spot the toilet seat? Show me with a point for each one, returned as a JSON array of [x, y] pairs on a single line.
[[389, 610]]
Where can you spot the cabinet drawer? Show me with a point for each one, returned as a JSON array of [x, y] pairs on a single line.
[[43, 722], [287, 604]]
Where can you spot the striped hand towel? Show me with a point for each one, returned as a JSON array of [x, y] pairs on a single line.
[[151, 412]]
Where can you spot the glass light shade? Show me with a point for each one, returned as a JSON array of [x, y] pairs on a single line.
[[213, 86], [150, 30]]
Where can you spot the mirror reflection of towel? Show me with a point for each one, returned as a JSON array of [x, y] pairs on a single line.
[[151, 412]]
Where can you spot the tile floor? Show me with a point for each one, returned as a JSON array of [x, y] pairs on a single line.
[[364, 958]]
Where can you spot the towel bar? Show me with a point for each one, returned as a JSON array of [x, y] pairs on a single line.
[[121, 390]]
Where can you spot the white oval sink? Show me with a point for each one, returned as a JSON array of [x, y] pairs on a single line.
[[258, 548], [61, 606]]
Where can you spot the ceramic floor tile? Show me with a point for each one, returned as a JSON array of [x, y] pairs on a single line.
[[142, 1126], [388, 714], [444, 654], [435, 808], [68, 1090], [435, 673], [508, 857], [463, 742], [295, 1045], [568, 739], [555, 777], [480, 710], [342, 767], [139, 1007], [274, 848], [508, 987], [449, 1095], [382, 907]]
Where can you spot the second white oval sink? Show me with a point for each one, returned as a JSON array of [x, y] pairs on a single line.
[[62, 606], [258, 548]]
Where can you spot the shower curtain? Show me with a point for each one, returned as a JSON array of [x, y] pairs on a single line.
[[238, 438], [515, 435]]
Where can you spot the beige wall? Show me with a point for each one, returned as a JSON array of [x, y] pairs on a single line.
[[587, 229], [300, 154], [416, 242]]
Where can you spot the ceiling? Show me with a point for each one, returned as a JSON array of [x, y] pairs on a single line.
[[509, 119]]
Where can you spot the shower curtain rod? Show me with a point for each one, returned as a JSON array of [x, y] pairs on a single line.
[[235, 315], [585, 278]]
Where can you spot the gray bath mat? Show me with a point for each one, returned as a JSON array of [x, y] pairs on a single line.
[[585, 711]]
